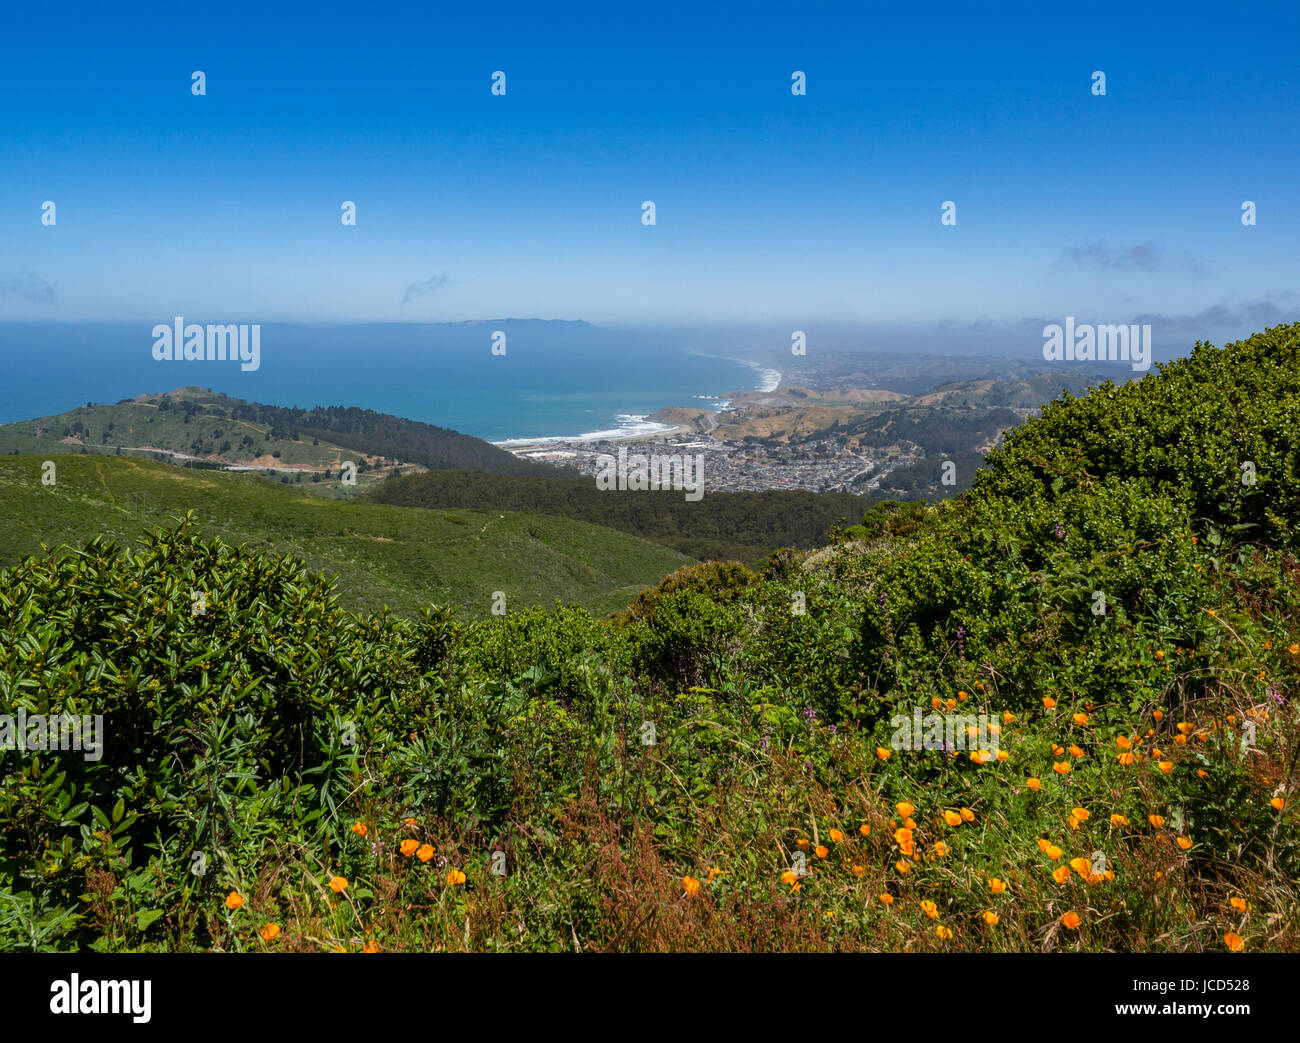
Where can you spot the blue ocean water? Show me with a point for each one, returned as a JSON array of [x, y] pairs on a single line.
[[554, 379]]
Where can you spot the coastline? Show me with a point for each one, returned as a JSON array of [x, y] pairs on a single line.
[[637, 427]]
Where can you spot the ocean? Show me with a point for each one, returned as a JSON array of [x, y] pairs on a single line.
[[554, 380]]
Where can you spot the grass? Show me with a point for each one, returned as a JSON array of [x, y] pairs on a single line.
[[401, 557]]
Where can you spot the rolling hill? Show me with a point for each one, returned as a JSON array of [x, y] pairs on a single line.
[[193, 425], [382, 555]]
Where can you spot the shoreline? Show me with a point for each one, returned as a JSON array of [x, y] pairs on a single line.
[[640, 427]]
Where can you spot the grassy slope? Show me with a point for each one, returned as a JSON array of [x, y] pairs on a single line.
[[402, 557], [142, 424], [210, 431]]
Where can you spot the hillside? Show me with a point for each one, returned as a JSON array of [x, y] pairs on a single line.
[[193, 424], [381, 555], [1057, 713], [747, 526]]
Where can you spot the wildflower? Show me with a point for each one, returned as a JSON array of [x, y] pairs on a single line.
[[822, 851], [1233, 941], [360, 829], [234, 900], [1159, 654], [1278, 803], [990, 917], [909, 823], [1071, 920], [997, 886], [1061, 874], [691, 886], [1159, 715], [424, 853], [789, 877], [370, 946], [886, 899], [930, 909], [981, 756], [864, 829], [802, 844], [941, 849], [1049, 702], [1053, 852], [1080, 814], [858, 870], [1034, 784], [714, 873], [1075, 751], [943, 933], [883, 753], [455, 878], [1061, 768], [1184, 842], [1118, 820], [952, 818], [1080, 719], [1044, 844], [905, 809], [1008, 716], [961, 697], [1125, 758], [270, 932], [1166, 766], [1003, 755], [1294, 649], [1123, 743], [409, 847], [338, 884], [836, 836], [408, 822], [1156, 820], [967, 815], [902, 865], [1239, 904]]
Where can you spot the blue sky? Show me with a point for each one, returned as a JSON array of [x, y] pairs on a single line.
[[770, 207]]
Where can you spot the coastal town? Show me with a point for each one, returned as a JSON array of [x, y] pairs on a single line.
[[820, 466]]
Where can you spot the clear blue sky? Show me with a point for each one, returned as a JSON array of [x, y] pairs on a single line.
[[770, 207]]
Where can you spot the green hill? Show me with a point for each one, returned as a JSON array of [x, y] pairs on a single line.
[[747, 526], [193, 425], [381, 555]]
